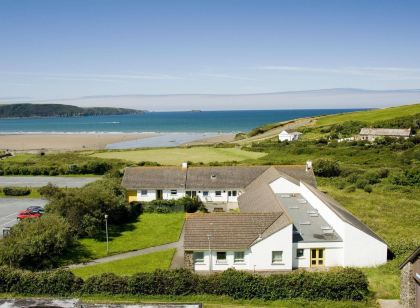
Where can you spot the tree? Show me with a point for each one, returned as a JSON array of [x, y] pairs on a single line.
[[36, 243]]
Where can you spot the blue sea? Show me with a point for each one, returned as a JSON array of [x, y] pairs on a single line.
[[164, 122]]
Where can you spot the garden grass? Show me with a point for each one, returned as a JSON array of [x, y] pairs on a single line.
[[149, 230], [127, 267], [175, 156]]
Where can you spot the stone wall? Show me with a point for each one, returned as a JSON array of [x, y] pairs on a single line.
[[188, 260], [408, 286]]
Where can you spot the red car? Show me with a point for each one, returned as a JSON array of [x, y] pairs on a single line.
[[28, 214]]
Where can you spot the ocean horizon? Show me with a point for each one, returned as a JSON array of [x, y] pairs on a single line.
[[160, 122]]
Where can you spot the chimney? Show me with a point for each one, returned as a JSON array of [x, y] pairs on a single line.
[[308, 165], [184, 165]]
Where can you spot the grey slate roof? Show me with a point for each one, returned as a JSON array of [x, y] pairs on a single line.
[[343, 213], [206, 177], [393, 132], [230, 230], [154, 178]]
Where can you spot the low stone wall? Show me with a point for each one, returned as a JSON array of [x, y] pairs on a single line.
[[408, 286], [188, 260]]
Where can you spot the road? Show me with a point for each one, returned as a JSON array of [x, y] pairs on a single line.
[[39, 181], [9, 208]]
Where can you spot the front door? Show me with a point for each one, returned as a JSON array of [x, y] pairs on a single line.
[[317, 257], [159, 194]]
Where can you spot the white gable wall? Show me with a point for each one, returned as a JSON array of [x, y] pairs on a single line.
[[334, 254], [361, 249], [283, 186], [261, 252]]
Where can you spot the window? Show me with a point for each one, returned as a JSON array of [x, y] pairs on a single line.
[[234, 193], [276, 257], [198, 257], [174, 192], [205, 193], [299, 253], [221, 257], [188, 192], [218, 193], [239, 257], [143, 192]]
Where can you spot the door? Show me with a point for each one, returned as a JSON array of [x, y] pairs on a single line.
[[159, 194], [132, 195], [317, 257]]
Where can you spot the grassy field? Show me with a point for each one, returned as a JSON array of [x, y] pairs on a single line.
[[150, 230], [370, 116], [130, 266], [175, 156]]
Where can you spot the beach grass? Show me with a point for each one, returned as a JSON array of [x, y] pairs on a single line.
[[175, 156], [130, 266], [149, 230]]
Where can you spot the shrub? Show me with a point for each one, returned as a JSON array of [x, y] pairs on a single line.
[[50, 191], [16, 191], [368, 188], [48, 237], [335, 284], [350, 189], [361, 183], [326, 168]]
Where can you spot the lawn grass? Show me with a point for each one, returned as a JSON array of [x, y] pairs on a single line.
[[149, 230], [34, 194], [208, 301], [175, 156], [129, 266], [369, 116]]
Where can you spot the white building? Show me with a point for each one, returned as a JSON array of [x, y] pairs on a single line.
[[289, 136], [284, 221], [371, 134]]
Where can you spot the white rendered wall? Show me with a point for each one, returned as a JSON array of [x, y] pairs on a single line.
[[261, 252], [211, 197], [333, 254], [361, 249], [151, 195], [283, 186], [166, 194], [216, 266]]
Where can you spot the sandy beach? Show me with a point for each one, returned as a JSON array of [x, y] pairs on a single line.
[[64, 142]]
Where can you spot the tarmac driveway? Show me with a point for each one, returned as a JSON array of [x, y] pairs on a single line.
[[10, 207], [39, 181]]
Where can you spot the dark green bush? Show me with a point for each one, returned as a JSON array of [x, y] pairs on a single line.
[[16, 191], [106, 283], [326, 168], [361, 183], [368, 188]]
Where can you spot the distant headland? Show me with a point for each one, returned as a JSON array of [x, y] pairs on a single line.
[[59, 110]]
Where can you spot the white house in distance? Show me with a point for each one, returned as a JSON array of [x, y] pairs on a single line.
[[289, 136], [283, 221]]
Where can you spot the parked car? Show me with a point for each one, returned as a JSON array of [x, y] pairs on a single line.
[[36, 209], [27, 214]]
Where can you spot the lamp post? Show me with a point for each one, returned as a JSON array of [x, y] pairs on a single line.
[[210, 255], [106, 231]]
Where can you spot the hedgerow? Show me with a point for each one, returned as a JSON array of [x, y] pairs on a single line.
[[335, 284]]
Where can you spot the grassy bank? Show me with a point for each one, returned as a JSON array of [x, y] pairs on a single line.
[[126, 267]]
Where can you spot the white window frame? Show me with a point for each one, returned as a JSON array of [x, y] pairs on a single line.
[[276, 260], [303, 253], [221, 261], [237, 260], [174, 192], [205, 193], [198, 260], [143, 192], [216, 193]]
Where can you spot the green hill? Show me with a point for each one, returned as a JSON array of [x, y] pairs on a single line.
[[58, 110]]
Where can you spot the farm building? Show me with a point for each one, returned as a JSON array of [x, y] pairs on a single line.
[[371, 134]]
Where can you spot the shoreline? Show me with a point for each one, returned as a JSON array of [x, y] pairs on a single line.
[[80, 141]]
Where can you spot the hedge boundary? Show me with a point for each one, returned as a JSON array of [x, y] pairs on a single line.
[[334, 284]]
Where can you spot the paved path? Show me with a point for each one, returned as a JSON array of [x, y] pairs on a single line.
[[39, 181], [9, 208], [177, 261], [389, 303]]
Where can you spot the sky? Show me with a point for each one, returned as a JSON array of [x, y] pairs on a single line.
[[69, 49]]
